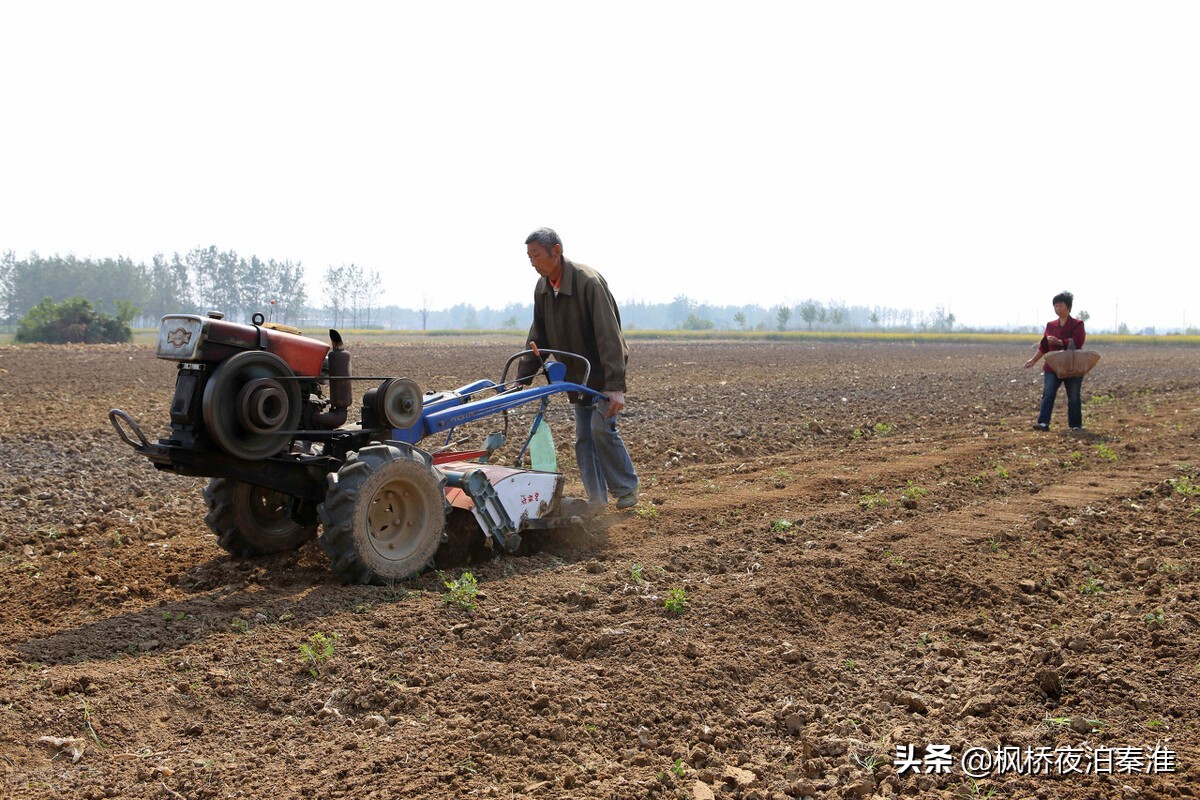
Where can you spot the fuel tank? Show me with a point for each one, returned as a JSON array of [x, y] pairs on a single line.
[[189, 337]]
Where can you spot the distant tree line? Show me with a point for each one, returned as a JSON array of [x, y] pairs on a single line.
[[813, 315], [206, 278], [203, 278]]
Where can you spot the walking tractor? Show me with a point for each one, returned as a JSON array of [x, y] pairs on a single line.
[[250, 412]]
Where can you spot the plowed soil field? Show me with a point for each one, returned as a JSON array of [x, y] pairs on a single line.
[[872, 562]]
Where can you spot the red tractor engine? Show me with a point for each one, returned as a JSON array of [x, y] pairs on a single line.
[[244, 388]]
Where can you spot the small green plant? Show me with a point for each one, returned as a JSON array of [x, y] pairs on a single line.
[[317, 650], [884, 428], [636, 572], [1156, 617], [676, 601], [1105, 452], [849, 665], [856, 433], [87, 721], [1101, 399], [461, 592], [780, 525], [973, 789], [647, 511], [239, 625], [1091, 586], [869, 501], [1056, 722], [782, 473], [977, 480], [868, 761], [678, 769], [912, 493], [925, 638], [1001, 472], [1185, 486], [993, 545]]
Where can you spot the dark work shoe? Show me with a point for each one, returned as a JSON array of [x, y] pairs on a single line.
[[627, 500], [1041, 426]]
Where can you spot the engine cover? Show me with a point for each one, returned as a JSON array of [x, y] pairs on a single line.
[[188, 337]]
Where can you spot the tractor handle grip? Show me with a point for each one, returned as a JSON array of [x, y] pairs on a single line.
[[561, 356]]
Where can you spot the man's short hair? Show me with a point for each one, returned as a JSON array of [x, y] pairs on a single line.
[[546, 237], [1064, 297]]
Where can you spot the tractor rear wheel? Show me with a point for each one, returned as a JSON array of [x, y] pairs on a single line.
[[252, 520], [383, 515]]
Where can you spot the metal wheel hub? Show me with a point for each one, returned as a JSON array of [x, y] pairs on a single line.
[[395, 518], [270, 509]]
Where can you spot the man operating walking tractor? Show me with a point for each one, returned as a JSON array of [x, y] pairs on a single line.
[[574, 311]]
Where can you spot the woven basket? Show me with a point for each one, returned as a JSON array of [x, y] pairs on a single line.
[[1072, 363]]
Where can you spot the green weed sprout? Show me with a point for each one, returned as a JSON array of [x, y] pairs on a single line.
[[1185, 487], [869, 501], [317, 650], [462, 591], [676, 601]]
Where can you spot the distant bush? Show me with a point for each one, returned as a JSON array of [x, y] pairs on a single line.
[[74, 320]]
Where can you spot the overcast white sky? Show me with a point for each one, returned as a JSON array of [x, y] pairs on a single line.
[[976, 156]]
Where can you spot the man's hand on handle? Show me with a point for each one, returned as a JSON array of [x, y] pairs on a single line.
[[616, 401]]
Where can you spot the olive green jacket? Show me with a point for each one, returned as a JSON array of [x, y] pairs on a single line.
[[582, 319]]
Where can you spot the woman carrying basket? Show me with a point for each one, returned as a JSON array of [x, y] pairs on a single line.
[[1058, 336]]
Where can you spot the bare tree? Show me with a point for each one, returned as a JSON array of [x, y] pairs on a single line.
[[424, 310]]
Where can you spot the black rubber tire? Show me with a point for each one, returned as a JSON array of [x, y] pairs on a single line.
[[251, 520], [383, 516]]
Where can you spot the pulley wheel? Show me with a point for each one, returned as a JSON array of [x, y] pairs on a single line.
[[248, 404], [398, 402]]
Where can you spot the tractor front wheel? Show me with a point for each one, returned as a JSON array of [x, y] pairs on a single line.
[[252, 520], [383, 516]]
